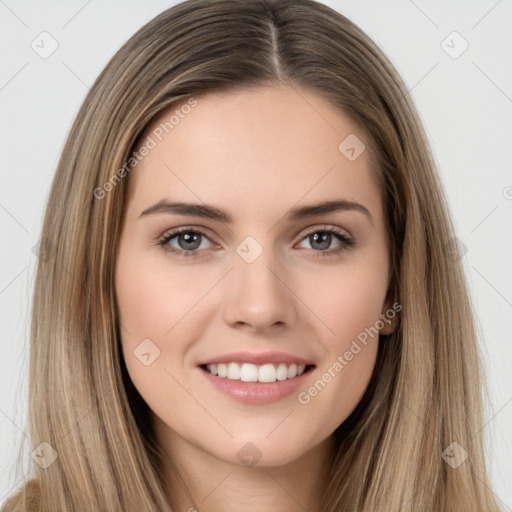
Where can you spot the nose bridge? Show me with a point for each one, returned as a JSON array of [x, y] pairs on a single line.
[[257, 295]]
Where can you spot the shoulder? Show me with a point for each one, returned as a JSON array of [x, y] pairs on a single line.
[[26, 498]]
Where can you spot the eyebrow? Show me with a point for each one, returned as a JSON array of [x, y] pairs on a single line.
[[211, 212]]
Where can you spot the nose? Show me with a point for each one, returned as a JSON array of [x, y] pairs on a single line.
[[259, 295]]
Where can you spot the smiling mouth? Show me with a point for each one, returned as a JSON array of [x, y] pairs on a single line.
[[265, 373]]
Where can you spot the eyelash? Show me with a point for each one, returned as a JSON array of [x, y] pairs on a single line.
[[346, 241]]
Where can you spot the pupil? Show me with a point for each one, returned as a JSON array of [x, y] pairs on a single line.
[[324, 239], [191, 239]]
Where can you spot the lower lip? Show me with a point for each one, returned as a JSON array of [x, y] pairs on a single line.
[[256, 392]]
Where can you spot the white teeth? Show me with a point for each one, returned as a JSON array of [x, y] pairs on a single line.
[[247, 372], [267, 373], [282, 372], [292, 370], [233, 371], [222, 370]]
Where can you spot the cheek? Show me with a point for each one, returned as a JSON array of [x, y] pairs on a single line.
[[155, 298], [346, 300], [160, 310], [155, 307]]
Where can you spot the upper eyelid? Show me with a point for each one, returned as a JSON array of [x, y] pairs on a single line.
[[326, 227]]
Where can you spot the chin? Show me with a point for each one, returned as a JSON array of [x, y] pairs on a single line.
[[261, 451]]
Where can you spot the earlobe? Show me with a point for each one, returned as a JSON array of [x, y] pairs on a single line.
[[388, 319], [389, 325]]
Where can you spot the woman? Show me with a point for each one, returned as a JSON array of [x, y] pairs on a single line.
[[194, 347]]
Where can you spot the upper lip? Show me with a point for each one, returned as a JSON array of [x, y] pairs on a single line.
[[257, 358]]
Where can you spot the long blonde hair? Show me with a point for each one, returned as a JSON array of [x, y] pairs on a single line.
[[425, 393]]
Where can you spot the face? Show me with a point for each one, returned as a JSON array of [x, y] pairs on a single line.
[[255, 282]]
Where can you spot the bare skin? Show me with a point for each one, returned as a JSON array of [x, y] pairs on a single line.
[[255, 154]]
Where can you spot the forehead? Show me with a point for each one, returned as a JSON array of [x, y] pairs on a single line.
[[252, 149]]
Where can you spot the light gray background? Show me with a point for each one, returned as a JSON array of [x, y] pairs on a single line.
[[465, 104]]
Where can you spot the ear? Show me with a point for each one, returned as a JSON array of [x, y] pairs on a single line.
[[389, 316]]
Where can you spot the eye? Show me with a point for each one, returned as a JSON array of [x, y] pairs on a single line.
[[321, 239], [189, 241]]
